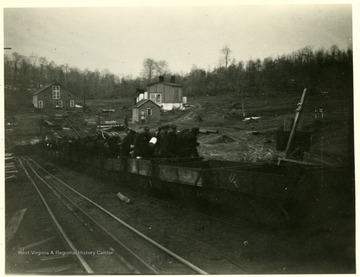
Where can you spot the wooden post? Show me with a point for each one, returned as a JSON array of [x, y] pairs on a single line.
[[84, 107], [242, 107], [126, 125], [296, 121]]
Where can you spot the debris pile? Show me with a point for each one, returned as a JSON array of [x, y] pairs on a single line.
[[10, 169], [257, 154], [215, 139], [240, 146], [192, 116]]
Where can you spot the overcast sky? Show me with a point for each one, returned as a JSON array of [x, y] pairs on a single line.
[[120, 38]]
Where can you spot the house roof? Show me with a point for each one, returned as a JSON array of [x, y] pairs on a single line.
[[166, 83], [47, 86], [44, 88], [143, 101]]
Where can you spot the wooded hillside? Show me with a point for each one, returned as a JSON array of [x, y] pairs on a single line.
[[318, 70]]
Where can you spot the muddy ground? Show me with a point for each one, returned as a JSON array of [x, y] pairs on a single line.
[[225, 134]]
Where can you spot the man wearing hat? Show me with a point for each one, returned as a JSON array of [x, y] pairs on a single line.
[[128, 144], [160, 150], [171, 142], [187, 143], [141, 144]]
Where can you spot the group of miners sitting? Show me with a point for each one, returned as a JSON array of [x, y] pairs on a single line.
[[165, 142]]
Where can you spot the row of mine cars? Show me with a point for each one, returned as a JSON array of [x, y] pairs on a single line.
[[267, 193]]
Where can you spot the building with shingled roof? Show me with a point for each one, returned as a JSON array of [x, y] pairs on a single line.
[[53, 96]]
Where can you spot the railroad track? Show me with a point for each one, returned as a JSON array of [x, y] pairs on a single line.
[[132, 252], [74, 126], [68, 242]]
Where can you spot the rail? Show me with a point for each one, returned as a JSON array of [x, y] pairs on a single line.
[[70, 244], [118, 220]]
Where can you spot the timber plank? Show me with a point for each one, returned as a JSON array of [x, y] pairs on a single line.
[[13, 225], [29, 246]]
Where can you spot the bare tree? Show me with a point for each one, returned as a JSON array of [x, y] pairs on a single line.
[[34, 59], [42, 66], [150, 67], [162, 67], [66, 69], [226, 55]]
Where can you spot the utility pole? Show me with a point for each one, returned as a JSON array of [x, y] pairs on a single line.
[[296, 121]]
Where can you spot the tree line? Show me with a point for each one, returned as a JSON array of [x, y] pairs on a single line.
[[24, 75], [321, 69], [317, 70]]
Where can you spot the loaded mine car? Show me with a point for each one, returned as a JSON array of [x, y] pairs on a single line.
[[262, 193]]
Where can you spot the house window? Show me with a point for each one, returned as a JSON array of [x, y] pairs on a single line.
[[156, 97], [54, 103], [40, 104], [72, 103], [60, 103], [56, 92], [149, 111], [142, 116]]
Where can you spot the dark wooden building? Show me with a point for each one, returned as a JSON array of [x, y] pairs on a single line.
[[52, 96], [146, 111], [168, 95]]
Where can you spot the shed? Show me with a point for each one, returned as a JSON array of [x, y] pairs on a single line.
[[146, 111], [53, 95]]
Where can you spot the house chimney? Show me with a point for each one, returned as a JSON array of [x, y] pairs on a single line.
[[172, 79], [161, 78]]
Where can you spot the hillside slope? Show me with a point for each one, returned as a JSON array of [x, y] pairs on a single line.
[[255, 140]]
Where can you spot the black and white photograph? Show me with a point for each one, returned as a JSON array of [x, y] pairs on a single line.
[[179, 138]]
